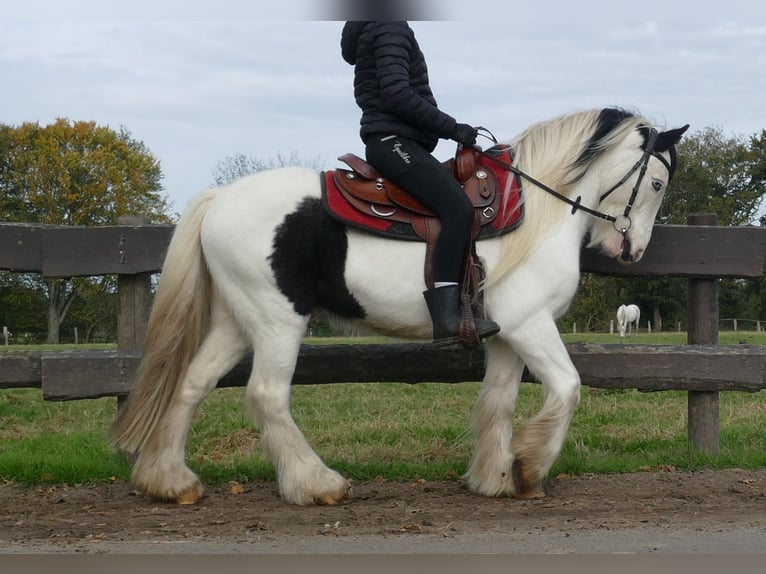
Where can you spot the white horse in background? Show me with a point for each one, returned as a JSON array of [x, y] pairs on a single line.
[[627, 316], [249, 263]]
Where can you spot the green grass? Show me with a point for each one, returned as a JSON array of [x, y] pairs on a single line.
[[395, 431], [665, 338]]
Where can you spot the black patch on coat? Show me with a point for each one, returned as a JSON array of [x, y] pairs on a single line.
[[308, 260]]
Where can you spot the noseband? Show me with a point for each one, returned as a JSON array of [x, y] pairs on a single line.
[[621, 222]]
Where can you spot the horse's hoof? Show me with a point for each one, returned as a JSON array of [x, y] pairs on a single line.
[[334, 498], [191, 496], [530, 493], [525, 485], [330, 499]]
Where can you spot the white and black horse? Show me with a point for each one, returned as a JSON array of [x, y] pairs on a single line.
[[248, 264]]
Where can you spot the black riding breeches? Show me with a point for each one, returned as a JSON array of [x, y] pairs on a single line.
[[410, 166]]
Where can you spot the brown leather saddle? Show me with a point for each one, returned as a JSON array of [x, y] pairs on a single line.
[[362, 197], [369, 192]]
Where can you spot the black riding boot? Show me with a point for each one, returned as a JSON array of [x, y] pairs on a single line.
[[444, 306]]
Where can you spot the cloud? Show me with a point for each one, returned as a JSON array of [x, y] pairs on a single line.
[[198, 91]]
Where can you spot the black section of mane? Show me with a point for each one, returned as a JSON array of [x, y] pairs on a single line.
[[608, 120], [308, 260]]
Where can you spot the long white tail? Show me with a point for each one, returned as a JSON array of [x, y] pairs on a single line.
[[178, 321]]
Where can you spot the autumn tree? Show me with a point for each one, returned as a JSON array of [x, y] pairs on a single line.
[[75, 173]]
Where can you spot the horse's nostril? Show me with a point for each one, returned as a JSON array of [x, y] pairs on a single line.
[[626, 255]]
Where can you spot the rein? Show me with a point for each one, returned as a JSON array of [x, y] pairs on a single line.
[[624, 220]]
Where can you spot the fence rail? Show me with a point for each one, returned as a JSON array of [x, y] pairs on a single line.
[[609, 366], [133, 250]]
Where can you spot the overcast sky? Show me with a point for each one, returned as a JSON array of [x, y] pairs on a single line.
[[198, 84]]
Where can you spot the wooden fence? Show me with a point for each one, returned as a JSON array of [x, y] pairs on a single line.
[[134, 250]]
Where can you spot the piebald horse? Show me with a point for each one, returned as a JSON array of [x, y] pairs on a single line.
[[248, 264]]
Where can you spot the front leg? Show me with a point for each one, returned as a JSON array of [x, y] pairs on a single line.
[[490, 471], [537, 445]]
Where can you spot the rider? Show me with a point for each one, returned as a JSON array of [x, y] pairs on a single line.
[[400, 127]]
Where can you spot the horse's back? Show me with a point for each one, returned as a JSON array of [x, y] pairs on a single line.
[[244, 217], [258, 202]]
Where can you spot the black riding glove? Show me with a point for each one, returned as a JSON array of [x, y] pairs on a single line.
[[465, 134]]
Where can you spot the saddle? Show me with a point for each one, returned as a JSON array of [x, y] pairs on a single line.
[[363, 198]]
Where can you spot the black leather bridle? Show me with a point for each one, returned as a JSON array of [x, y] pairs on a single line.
[[621, 222]]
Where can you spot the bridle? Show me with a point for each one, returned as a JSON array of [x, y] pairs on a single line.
[[621, 222]]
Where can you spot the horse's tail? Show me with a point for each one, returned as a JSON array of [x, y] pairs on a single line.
[[179, 318]]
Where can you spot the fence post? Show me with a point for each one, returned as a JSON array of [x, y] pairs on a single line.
[[702, 314], [134, 303]]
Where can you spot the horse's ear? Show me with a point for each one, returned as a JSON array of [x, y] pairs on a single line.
[[665, 140]]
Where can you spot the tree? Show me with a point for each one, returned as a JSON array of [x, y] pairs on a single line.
[[22, 307], [236, 166], [717, 174], [75, 173]]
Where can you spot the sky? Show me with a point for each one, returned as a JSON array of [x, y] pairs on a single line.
[[200, 82]]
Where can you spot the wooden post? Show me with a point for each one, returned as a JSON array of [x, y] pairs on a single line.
[[5, 335], [702, 314], [134, 302]]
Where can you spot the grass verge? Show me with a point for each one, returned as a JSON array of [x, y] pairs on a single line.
[[388, 430]]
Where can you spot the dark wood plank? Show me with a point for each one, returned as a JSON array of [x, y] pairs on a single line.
[[72, 375], [20, 247], [83, 251], [670, 367], [60, 251], [691, 251], [20, 369]]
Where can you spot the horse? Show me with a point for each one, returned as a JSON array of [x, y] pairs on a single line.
[[248, 264], [627, 316]]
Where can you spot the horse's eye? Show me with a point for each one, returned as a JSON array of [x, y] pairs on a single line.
[[656, 184]]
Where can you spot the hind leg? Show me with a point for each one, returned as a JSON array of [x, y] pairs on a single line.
[[160, 470], [303, 477]]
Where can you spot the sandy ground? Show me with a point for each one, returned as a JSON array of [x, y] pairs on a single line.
[[661, 510]]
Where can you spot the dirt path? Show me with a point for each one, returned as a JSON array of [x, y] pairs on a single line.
[[112, 518]]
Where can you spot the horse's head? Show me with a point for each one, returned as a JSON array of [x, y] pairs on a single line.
[[636, 167]]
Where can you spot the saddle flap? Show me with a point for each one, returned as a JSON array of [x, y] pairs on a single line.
[[367, 190]]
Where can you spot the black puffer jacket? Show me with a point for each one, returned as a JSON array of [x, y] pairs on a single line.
[[391, 83]]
